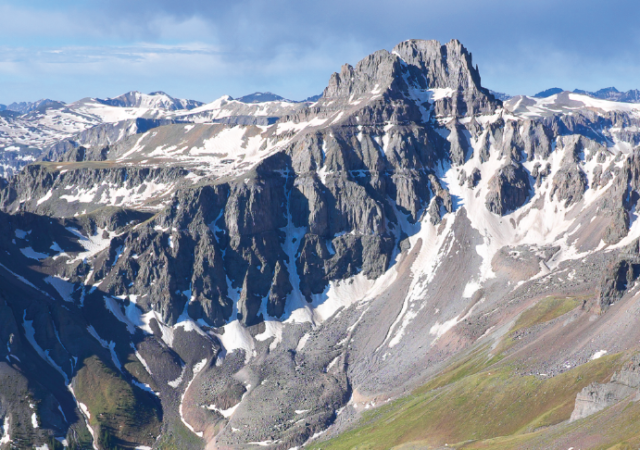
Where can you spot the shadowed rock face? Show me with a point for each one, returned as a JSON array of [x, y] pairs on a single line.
[[617, 279], [509, 189], [241, 280]]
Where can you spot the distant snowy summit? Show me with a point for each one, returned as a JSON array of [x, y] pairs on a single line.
[[264, 97], [27, 107], [610, 93], [154, 100], [29, 128]]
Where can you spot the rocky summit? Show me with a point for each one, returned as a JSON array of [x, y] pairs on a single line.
[[407, 262]]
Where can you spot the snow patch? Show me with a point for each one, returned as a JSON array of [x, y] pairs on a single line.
[[92, 244], [175, 383], [32, 254], [237, 337], [30, 334], [63, 287], [439, 329], [196, 369], [6, 436], [45, 198], [111, 346]]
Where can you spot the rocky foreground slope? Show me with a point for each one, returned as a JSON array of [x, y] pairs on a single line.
[[408, 244]]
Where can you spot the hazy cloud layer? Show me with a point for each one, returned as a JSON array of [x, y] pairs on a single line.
[[197, 49]]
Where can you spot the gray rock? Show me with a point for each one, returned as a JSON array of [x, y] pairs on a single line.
[[508, 189], [598, 396]]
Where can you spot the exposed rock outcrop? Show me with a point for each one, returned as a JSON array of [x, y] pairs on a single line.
[[618, 277], [598, 396], [509, 189]]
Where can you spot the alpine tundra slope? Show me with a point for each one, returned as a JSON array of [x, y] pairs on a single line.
[[407, 262]]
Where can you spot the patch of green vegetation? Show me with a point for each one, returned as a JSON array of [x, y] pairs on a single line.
[[482, 405], [119, 411], [179, 437], [615, 428], [457, 370], [624, 446], [546, 310]]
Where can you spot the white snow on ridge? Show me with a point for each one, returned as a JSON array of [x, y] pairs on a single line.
[[30, 334], [178, 381], [440, 93], [109, 345], [196, 370], [32, 254], [226, 413], [537, 227], [21, 234], [605, 105], [107, 113], [237, 337], [40, 129], [144, 324], [423, 271], [116, 195], [114, 307], [92, 244], [45, 198], [6, 436], [567, 103], [64, 287], [225, 106]]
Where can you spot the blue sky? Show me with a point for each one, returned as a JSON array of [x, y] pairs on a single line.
[[202, 49]]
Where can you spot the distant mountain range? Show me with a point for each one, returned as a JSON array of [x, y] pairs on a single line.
[[26, 107], [263, 97], [610, 93], [161, 100], [500, 95], [155, 100]]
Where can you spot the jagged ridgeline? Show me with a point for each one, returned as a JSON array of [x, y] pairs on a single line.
[[239, 274]]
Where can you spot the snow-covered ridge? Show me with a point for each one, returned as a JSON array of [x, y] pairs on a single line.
[[565, 103], [27, 135]]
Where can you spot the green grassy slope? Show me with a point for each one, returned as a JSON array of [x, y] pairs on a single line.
[[481, 402]]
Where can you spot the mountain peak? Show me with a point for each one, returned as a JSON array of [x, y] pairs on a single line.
[[549, 92], [445, 66], [157, 100], [261, 97], [416, 69], [609, 93], [27, 107]]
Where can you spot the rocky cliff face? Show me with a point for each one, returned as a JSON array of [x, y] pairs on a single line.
[[209, 263], [598, 396]]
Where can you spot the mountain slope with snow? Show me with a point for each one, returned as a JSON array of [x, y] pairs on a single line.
[[26, 137], [265, 274]]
